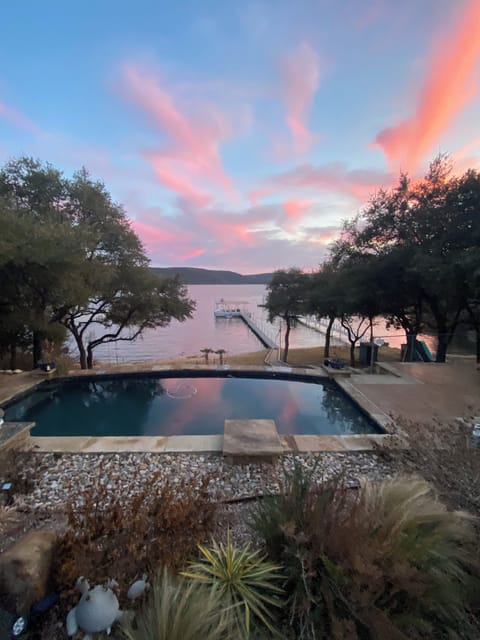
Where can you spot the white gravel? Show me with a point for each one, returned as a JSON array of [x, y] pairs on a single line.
[[60, 477]]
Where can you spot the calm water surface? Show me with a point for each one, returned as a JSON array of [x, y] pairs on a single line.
[[153, 406], [183, 339], [187, 338]]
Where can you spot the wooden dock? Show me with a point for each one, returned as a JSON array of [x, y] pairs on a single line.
[[264, 339]]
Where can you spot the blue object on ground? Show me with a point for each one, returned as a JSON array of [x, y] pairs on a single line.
[[422, 352]]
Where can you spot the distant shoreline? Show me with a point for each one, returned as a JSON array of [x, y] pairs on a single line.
[[194, 275]]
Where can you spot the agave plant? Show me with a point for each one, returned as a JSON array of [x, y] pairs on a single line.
[[247, 581], [181, 609]]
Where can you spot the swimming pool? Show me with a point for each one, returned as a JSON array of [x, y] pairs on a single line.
[[187, 403]]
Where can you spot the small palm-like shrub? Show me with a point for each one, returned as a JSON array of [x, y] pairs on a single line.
[[388, 561], [247, 583], [181, 609]]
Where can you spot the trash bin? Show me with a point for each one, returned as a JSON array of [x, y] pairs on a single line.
[[46, 366], [365, 356]]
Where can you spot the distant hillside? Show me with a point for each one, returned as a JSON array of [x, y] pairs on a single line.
[[191, 275]]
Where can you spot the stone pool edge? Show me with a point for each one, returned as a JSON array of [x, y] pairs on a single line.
[[214, 443]]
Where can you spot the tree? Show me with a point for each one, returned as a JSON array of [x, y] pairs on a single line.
[[221, 353], [115, 290], [323, 299], [419, 233], [206, 353], [286, 299], [37, 246], [74, 262]]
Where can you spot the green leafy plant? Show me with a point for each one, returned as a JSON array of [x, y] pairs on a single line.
[[181, 609], [388, 560], [246, 581]]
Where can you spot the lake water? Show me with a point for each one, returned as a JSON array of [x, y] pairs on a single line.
[[187, 338], [183, 339]]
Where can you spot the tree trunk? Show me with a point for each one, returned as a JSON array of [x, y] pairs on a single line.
[[81, 352], [287, 339], [328, 332], [442, 346], [352, 354], [89, 357], [477, 333], [37, 348], [410, 346], [13, 356]]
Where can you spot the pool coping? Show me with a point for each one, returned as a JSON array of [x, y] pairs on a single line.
[[214, 443]]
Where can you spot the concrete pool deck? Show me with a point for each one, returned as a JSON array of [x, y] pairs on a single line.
[[414, 391]]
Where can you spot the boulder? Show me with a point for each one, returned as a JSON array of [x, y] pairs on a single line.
[[25, 568]]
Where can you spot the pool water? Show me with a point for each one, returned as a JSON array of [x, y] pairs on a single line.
[[153, 405]]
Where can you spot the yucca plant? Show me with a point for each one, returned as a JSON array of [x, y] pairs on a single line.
[[181, 609], [248, 583]]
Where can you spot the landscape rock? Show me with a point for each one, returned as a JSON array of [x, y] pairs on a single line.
[[25, 568]]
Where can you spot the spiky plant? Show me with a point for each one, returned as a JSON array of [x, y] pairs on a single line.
[[247, 582], [181, 609]]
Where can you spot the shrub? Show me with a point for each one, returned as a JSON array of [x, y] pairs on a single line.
[[16, 467], [443, 452], [181, 609], [388, 561], [247, 583], [109, 536]]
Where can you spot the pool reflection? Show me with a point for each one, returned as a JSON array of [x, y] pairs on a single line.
[[189, 406]]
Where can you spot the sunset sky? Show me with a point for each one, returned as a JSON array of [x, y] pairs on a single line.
[[238, 134]]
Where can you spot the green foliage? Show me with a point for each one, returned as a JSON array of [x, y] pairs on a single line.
[[246, 581], [388, 561], [420, 240], [112, 536], [70, 261], [180, 609]]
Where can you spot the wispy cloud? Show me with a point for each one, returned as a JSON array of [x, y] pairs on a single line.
[[357, 184], [18, 119], [448, 86], [189, 161], [300, 81]]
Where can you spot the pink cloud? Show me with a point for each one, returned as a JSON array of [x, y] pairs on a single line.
[[295, 209], [191, 157], [357, 184], [447, 88], [301, 78], [17, 119], [174, 178]]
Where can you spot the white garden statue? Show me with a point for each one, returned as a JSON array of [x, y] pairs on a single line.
[[98, 608]]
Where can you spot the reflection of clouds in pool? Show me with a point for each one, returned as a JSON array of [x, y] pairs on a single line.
[[182, 391]]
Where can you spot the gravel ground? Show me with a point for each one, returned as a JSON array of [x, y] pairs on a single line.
[[59, 478]]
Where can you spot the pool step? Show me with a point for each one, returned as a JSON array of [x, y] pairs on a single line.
[[251, 441]]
